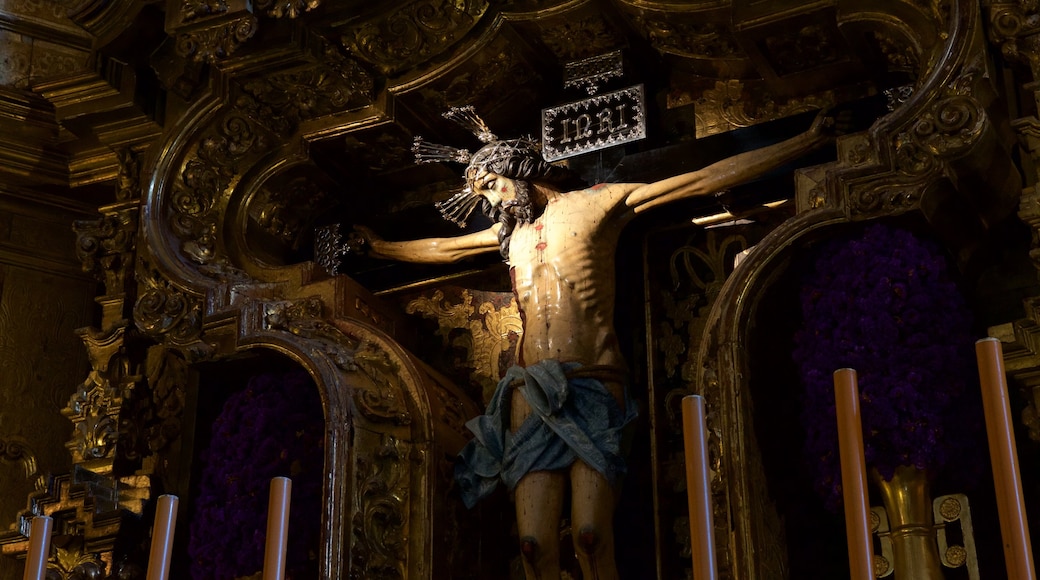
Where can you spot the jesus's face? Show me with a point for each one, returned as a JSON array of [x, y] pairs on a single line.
[[499, 191]]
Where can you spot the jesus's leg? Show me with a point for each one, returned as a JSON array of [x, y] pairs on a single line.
[[539, 507], [592, 522]]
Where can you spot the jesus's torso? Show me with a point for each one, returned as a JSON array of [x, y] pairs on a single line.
[[562, 267]]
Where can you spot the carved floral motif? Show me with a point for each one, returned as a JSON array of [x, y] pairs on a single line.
[[729, 106], [289, 8], [281, 101], [106, 247], [196, 198], [216, 42], [380, 519], [710, 40], [801, 49], [484, 337], [581, 38], [162, 310], [1015, 27], [413, 33], [94, 406]]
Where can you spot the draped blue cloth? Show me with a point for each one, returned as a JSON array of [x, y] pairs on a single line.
[[572, 418]]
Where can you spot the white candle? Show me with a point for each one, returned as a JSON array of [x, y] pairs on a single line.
[[698, 488], [162, 537], [1003, 451], [853, 475], [277, 528], [39, 548]]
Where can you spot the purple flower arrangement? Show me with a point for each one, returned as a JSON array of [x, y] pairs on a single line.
[[885, 305], [273, 427]]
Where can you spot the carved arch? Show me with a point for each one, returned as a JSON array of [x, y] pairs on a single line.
[[941, 142]]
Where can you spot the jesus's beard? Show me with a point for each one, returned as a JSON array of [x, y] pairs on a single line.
[[520, 209]]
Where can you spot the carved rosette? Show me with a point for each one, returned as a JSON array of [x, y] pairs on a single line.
[[413, 33], [581, 38]]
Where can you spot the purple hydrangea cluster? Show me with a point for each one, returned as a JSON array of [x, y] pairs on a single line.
[[885, 305], [274, 427]]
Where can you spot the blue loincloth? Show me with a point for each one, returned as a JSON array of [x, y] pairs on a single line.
[[572, 418]]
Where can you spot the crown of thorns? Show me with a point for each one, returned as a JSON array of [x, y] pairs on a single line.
[[460, 206]]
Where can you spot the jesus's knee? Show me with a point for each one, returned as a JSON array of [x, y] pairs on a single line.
[[590, 540]]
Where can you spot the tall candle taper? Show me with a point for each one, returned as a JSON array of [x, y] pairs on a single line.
[[277, 528], [39, 548], [162, 537], [698, 488], [853, 475], [1003, 452]]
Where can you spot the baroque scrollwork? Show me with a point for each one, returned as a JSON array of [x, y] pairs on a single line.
[[216, 42], [197, 197], [484, 338], [303, 318], [730, 106], [17, 450], [106, 247], [887, 198], [94, 407], [192, 9], [380, 520], [711, 40], [335, 85], [580, 38], [385, 402], [286, 8], [1015, 27], [163, 310], [950, 126], [413, 33]]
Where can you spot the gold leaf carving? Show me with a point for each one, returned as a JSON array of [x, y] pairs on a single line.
[[380, 521], [414, 32], [216, 42], [730, 106], [289, 8], [488, 335]]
